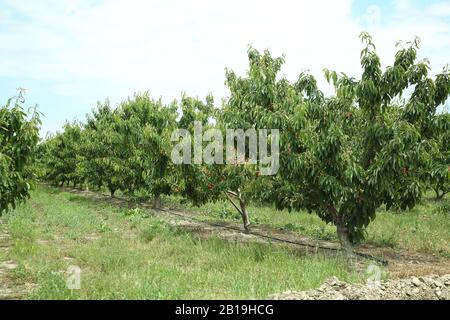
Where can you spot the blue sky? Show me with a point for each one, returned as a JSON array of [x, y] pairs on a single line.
[[70, 54]]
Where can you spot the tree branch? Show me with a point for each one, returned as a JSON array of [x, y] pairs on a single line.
[[232, 202], [232, 193]]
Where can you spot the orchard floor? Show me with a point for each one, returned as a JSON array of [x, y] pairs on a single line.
[[194, 253]]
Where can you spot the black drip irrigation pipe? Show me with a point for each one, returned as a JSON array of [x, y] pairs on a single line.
[[360, 254]]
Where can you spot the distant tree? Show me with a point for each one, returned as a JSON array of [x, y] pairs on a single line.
[[196, 179], [61, 156], [105, 150], [147, 125]]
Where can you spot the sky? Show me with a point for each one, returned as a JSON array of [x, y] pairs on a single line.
[[70, 54]]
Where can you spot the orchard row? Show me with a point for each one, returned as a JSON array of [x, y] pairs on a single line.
[[341, 157]]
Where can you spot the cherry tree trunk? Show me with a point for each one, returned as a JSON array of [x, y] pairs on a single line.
[[157, 202], [344, 236], [244, 215]]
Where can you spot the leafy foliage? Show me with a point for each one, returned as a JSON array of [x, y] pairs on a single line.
[[147, 125], [378, 141], [19, 135], [62, 163], [439, 172], [361, 148]]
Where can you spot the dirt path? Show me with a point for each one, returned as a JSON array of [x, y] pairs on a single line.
[[9, 290], [400, 263]]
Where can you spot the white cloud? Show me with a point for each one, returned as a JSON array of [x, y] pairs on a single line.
[[373, 15], [403, 5], [114, 48], [441, 9], [168, 46]]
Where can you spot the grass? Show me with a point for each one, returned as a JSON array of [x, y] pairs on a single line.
[[130, 254], [425, 228]]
